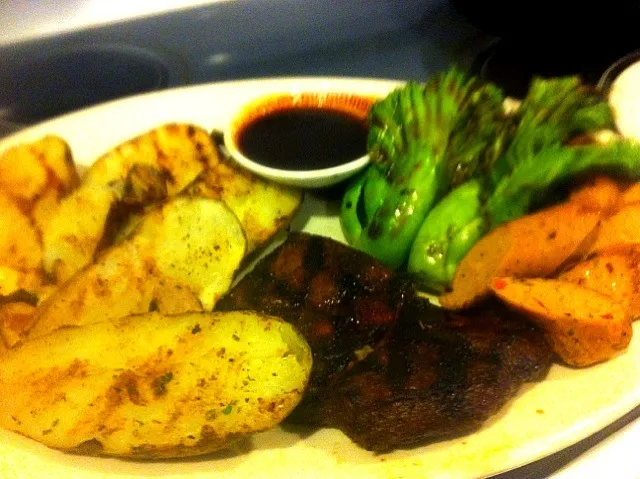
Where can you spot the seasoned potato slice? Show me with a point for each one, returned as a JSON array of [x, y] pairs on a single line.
[[33, 179], [20, 249], [620, 229], [15, 319], [197, 242], [37, 175], [614, 272], [71, 236], [155, 386], [583, 326], [533, 245], [174, 153], [90, 219], [262, 206], [179, 151], [191, 245], [19, 244], [27, 171]]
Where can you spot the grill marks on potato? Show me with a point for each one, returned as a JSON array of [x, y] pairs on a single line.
[[42, 382], [262, 207], [154, 388], [151, 167], [128, 240], [117, 192], [182, 257]]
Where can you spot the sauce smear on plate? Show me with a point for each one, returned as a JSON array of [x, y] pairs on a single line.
[[304, 138]]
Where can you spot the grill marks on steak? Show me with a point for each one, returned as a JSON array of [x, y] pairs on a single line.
[[390, 370], [338, 298], [426, 383]]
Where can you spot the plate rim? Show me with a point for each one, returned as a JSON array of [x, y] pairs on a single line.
[[604, 417]]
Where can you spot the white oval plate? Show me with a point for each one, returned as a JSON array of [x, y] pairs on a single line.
[[544, 417]]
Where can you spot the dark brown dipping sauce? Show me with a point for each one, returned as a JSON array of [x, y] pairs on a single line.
[[304, 138]]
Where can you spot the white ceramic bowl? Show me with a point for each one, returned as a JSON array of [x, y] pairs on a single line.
[[355, 105], [621, 82]]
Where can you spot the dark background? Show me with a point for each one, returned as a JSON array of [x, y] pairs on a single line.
[[505, 41]]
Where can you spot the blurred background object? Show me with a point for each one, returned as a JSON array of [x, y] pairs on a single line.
[[551, 38], [58, 56], [62, 55]]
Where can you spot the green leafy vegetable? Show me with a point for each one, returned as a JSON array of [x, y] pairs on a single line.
[[414, 163], [531, 155], [449, 164], [442, 241]]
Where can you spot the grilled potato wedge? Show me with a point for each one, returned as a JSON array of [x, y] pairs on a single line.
[[36, 175], [263, 207], [20, 249], [188, 249], [71, 236], [33, 179], [155, 386], [19, 243], [15, 319], [43, 163], [174, 153]]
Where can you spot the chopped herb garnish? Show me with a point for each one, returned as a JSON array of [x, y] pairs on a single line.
[[160, 383]]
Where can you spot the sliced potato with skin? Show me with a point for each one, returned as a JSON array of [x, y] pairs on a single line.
[[71, 236], [177, 153], [614, 272], [20, 249], [583, 327], [155, 386], [29, 170], [12, 280], [16, 318], [180, 151], [263, 207], [36, 176], [33, 179], [119, 284], [195, 244]]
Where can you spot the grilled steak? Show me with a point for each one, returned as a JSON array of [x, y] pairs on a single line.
[[436, 375], [390, 370], [338, 298]]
